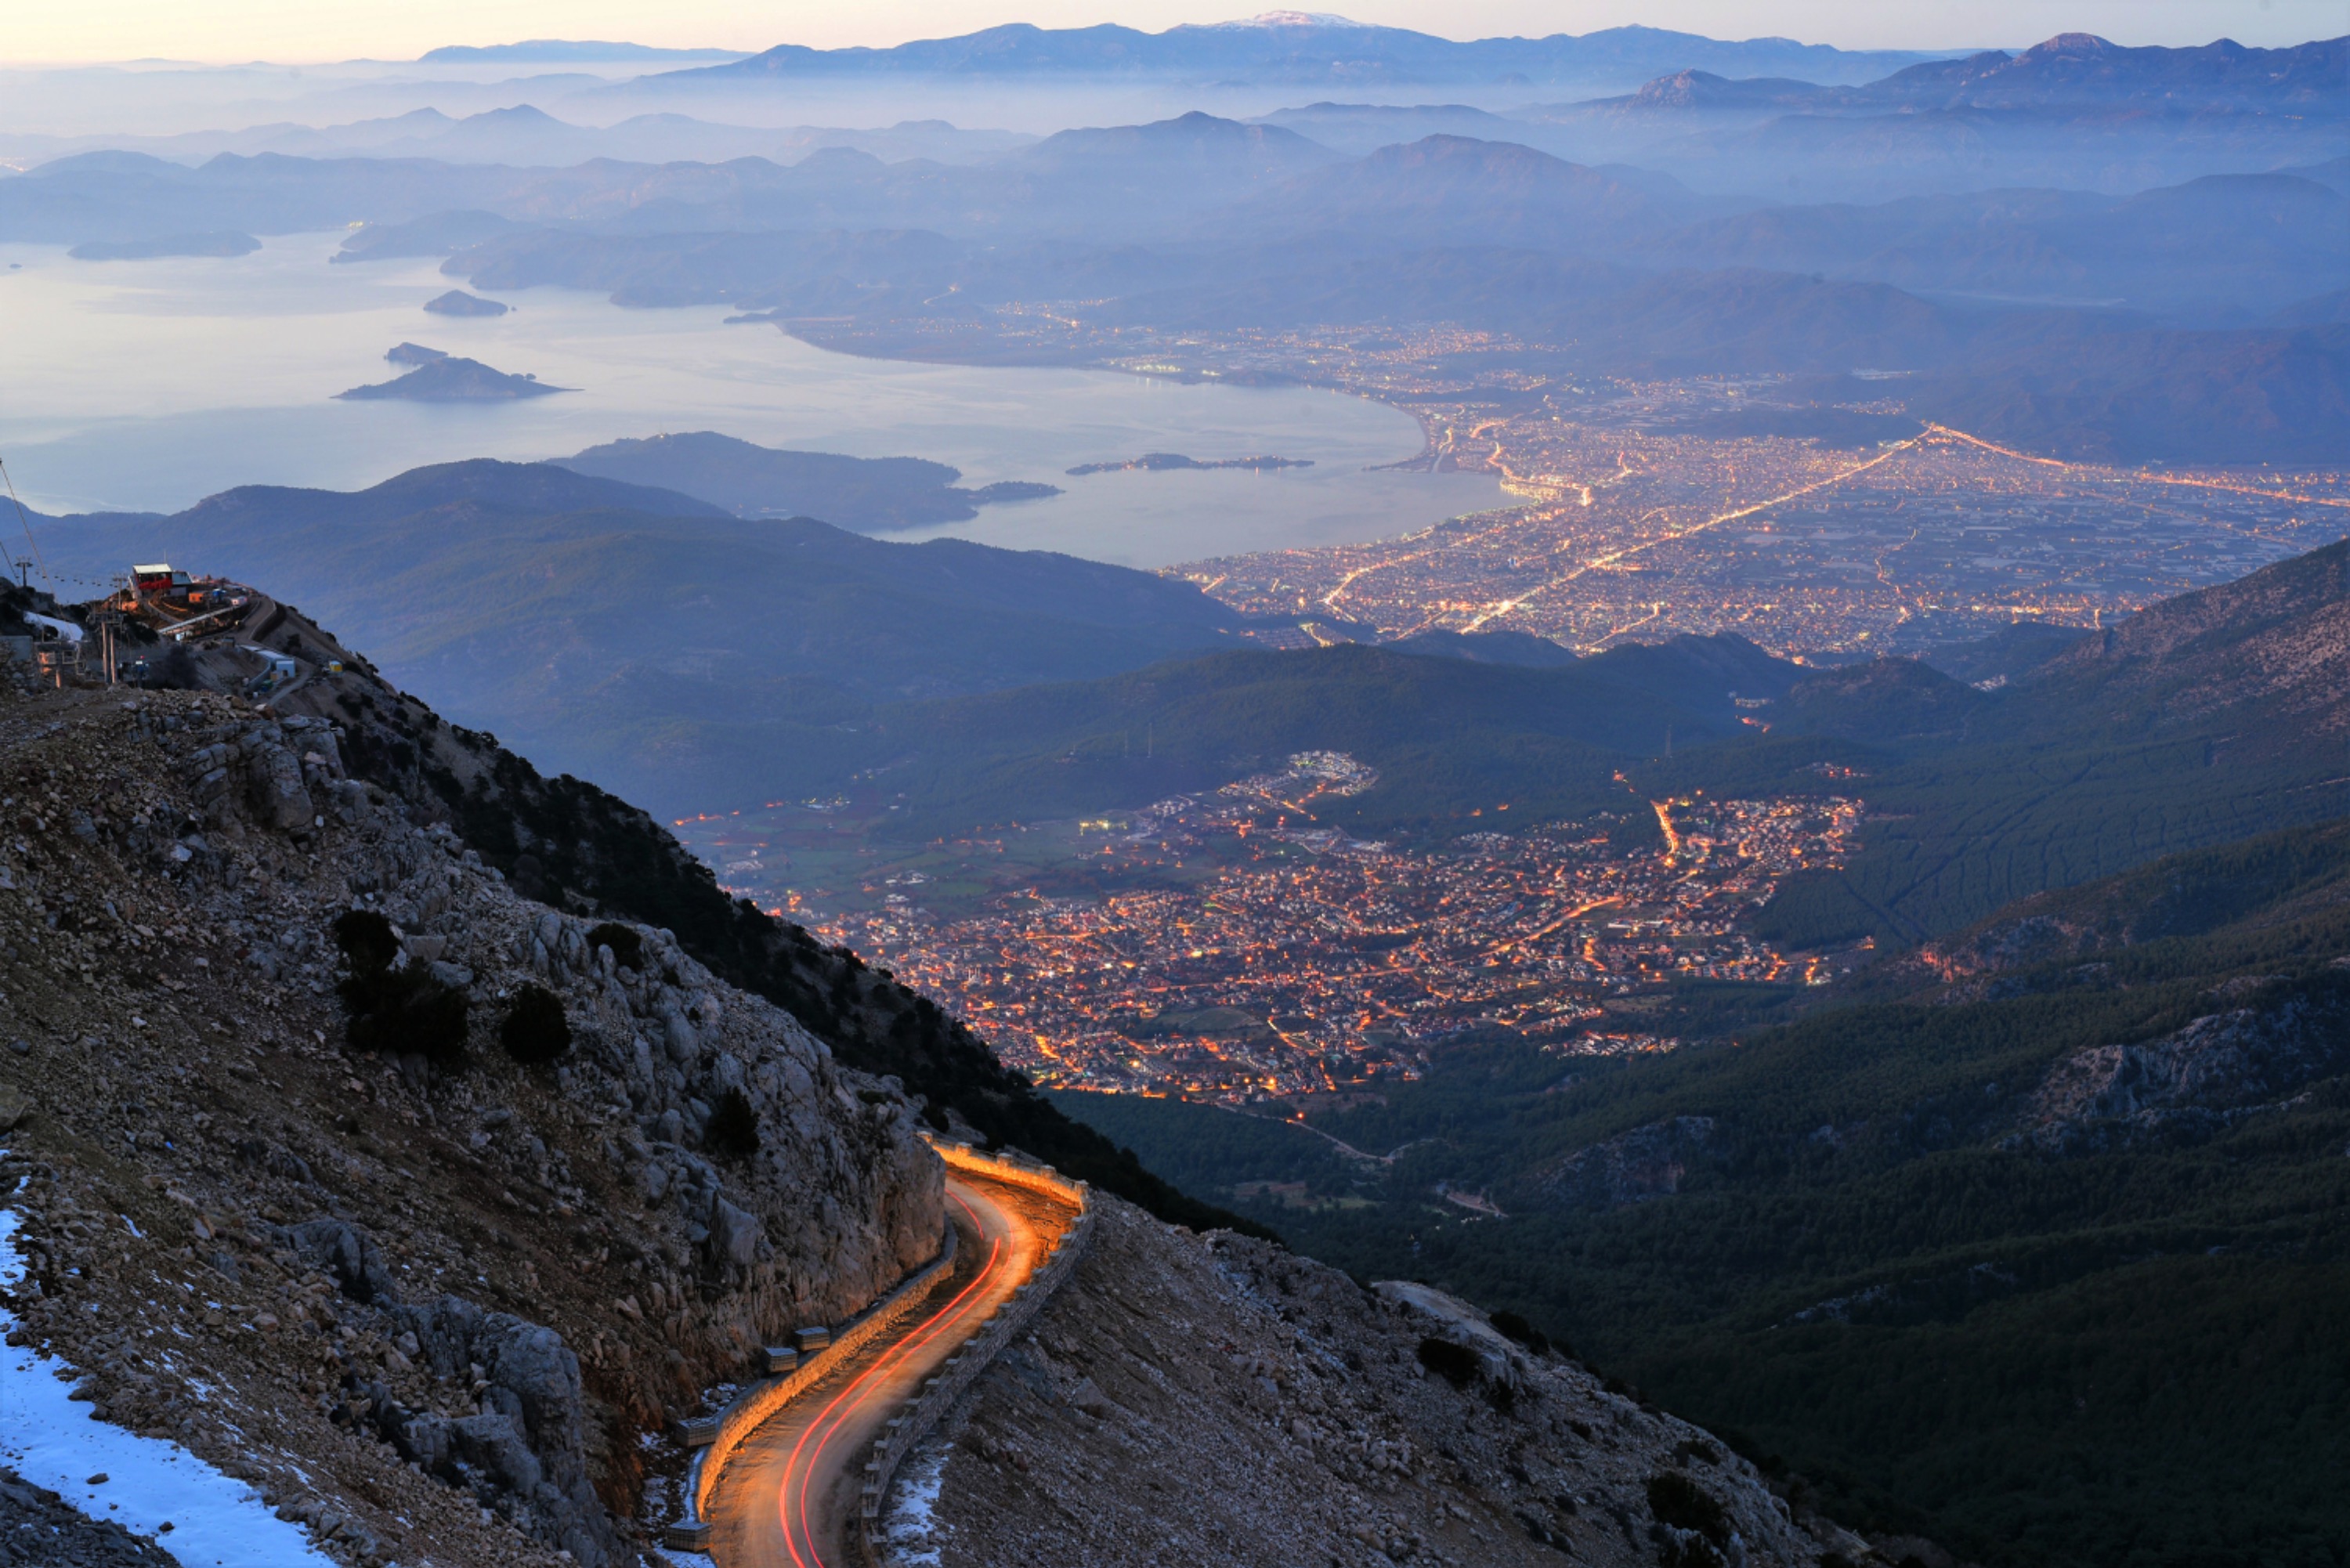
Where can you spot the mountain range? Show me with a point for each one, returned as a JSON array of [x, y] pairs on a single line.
[[1291, 46], [2063, 321]]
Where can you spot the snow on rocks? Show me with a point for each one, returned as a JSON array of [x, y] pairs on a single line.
[[153, 1488]]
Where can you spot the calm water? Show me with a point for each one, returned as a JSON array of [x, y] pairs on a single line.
[[148, 384]]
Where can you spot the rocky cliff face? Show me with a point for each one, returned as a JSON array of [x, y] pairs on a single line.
[[1631, 1167], [426, 1294], [2197, 1081]]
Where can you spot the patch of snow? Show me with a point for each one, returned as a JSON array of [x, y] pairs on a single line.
[[216, 1522], [677, 1559], [911, 1535]]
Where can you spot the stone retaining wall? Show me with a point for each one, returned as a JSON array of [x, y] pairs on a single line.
[[1008, 1322]]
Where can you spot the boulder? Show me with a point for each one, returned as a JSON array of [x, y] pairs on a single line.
[[525, 1454], [347, 1254]]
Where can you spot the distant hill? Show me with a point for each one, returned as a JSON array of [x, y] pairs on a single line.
[[1452, 734], [2080, 68], [1604, 316], [2269, 396], [566, 51], [2224, 242], [453, 379], [1291, 46], [646, 639], [457, 302], [2075, 112], [1445, 186], [2215, 715], [1361, 128], [1188, 146], [435, 234], [863, 493]]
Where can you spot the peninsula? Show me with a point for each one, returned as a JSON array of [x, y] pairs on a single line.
[[226, 243], [870, 495]]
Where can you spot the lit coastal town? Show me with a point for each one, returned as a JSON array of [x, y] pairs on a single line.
[[1643, 519], [1232, 947], [1243, 950], [1800, 512]]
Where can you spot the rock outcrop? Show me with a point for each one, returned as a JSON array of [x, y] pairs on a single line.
[[1647, 1162], [2195, 1082]]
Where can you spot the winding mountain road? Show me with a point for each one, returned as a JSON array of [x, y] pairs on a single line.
[[790, 1494]]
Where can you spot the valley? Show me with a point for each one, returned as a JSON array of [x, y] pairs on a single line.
[[1280, 793]]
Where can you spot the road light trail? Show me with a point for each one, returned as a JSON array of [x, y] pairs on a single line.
[[788, 1493]]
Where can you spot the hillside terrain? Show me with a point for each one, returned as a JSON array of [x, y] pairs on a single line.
[[2213, 716], [2208, 717], [2075, 111], [1450, 735], [1328, 1422], [863, 493], [349, 1212], [572, 613], [465, 1178], [1971, 1238], [1974, 1251]]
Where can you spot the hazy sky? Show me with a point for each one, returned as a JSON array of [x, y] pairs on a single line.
[[298, 30]]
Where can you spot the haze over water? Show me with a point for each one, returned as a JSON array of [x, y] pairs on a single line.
[[146, 385]]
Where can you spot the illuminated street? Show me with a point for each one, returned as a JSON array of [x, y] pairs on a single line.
[[789, 1494]]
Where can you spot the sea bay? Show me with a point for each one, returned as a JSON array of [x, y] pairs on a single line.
[[146, 385]]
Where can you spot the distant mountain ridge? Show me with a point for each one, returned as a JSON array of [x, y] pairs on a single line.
[[1291, 46], [556, 51], [2075, 111], [2069, 70]]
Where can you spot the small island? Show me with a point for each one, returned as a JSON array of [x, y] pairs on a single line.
[[449, 380], [457, 302], [1154, 461], [1005, 490], [223, 243], [413, 354]]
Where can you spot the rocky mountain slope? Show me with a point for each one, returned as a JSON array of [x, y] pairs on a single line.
[[437, 1288], [1195, 1399]]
